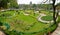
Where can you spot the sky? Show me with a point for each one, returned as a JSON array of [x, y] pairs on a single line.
[[33, 1]]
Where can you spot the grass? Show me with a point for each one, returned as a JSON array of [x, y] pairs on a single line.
[[23, 23], [58, 21], [47, 18]]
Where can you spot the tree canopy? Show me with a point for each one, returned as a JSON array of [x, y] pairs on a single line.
[[4, 3]]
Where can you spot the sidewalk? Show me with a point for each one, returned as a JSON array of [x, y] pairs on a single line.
[[39, 19]]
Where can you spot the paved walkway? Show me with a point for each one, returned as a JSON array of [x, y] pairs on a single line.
[[39, 18], [57, 31]]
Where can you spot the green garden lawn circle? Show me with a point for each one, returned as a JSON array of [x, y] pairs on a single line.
[[47, 18]]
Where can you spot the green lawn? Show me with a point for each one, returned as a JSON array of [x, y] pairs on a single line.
[[47, 18], [23, 23], [58, 19]]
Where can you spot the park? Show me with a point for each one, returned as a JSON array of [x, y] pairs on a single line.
[[28, 19]]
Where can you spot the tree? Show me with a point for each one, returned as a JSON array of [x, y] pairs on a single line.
[[13, 4], [54, 10], [55, 14], [34, 6], [4, 3]]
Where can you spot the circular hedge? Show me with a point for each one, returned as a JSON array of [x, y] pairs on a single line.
[[47, 18]]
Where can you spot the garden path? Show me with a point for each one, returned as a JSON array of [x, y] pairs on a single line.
[[41, 15]]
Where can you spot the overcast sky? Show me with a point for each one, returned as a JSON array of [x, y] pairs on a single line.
[[33, 1]]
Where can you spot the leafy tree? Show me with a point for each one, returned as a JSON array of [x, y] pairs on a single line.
[[13, 4], [4, 3], [34, 6]]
